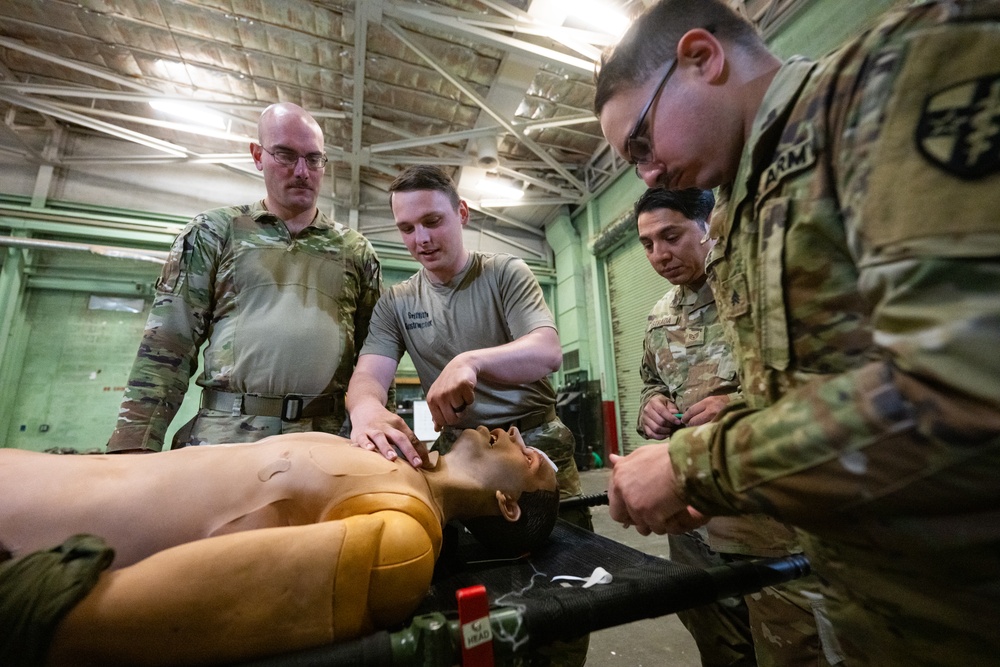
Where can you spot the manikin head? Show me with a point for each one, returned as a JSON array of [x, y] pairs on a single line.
[[677, 95], [522, 481], [290, 154], [430, 217], [673, 230]]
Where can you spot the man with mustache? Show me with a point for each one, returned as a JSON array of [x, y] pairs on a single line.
[[278, 294]]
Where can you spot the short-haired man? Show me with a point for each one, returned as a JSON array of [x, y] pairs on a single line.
[[856, 273], [296, 541], [278, 294], [477, 328], [480, 335], [689, 376]]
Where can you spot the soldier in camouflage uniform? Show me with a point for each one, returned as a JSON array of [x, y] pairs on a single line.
[[689, 376], [481, 338], [282, 296], [856, 271]]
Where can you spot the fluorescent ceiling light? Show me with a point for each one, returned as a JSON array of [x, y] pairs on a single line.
[[499, 187], [191, 112], [600, 15]]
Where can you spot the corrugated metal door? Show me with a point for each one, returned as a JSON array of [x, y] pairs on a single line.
[[634, 288]]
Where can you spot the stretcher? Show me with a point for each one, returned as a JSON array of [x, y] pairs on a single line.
[[526, 609]]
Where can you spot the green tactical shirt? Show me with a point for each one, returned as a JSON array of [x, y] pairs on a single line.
[[276, 315], [857, 271], [686, 358]]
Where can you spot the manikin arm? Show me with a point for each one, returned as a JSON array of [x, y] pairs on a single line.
[[252, 594]]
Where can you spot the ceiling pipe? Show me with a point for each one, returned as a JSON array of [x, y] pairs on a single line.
[[155, 256], [487, 155]]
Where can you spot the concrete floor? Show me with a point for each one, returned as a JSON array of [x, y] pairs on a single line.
[[656, 642]]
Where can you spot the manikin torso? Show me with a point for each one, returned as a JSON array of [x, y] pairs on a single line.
[[156, 502]]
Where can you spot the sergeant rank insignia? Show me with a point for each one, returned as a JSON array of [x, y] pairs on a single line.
[[959, 128]]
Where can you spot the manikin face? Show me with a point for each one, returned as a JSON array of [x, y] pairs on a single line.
[[674, 245], [291, 190], [432, 230], [502, 460]]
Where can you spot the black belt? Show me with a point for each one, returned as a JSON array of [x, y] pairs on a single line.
[[531, 421], [289, 407]]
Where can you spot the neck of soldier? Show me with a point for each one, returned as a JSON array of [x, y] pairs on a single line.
[[442, 275], [295, 220], [697, 283]]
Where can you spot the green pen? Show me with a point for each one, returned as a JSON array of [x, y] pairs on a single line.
[[679, 415]]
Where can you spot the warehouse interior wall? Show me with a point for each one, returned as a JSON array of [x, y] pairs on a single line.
[[63, 365]]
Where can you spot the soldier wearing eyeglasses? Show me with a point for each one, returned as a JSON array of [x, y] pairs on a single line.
[[856, 271], [277, 294]]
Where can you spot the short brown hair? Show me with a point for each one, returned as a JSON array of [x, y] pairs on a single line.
[[652, 40], [425, 177]]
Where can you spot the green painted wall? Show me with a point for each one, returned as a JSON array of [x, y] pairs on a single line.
[[823, 25], [69, 374], [73, 373]]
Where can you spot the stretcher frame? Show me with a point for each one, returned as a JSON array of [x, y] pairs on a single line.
[[527, 610]]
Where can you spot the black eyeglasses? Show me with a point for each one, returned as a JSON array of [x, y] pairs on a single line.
[[286, 158], [640, 147]]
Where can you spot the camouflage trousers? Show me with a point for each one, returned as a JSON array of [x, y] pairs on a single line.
[[722, 629], [790, 625], [215, 427], [557, 441]]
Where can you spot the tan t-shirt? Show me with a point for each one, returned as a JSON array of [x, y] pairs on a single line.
[[493, 301]]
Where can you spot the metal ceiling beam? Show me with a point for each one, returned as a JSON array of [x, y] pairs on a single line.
[[90, 92], [429, 140], [6, 130], [461, 23], [48, 109], [537, 182], [155, 256], [506, 239], [225, 159], [506, 219], [104, 286], [462, 135], [111, 232], [187, 128], [540, 151], [18, 45], [363, 10]]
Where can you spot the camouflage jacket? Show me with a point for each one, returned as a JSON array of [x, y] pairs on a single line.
[[686, 358], [857, 273], [280, 315]]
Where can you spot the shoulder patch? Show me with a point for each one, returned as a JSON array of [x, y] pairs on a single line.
[[959, 128], [789, 159]]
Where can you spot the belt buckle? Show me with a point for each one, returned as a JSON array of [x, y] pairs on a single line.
[[291, 408]]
